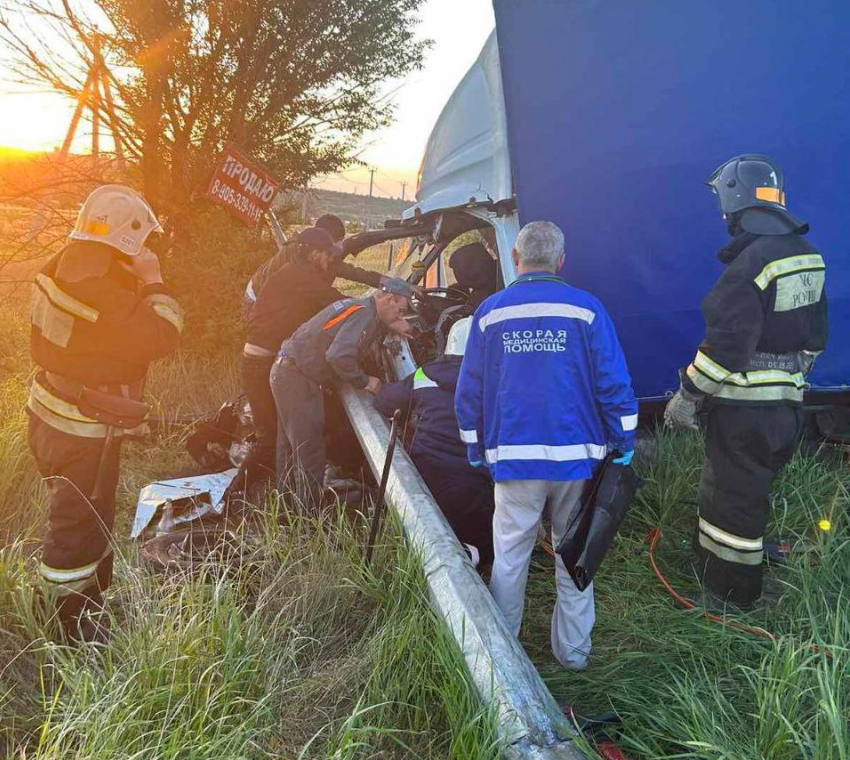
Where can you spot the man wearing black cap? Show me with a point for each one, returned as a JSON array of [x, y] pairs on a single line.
[[327, 351], [765, 324], [331, 224], [291, 295]]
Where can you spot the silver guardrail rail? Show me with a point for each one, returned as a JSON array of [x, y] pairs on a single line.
[[530, 723]]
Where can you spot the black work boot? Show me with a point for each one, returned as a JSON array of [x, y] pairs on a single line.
[[83, 618]]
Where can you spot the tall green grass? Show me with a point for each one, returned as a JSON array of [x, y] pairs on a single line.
[[301, 654], [298, 653], [688, 687]]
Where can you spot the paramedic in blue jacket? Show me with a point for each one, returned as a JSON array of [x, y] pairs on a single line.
[[543, 395], [463, 493]]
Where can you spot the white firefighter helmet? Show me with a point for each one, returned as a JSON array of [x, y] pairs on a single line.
[[118, 216], [458, 335]]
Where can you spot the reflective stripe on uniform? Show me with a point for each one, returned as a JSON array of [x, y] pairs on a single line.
[[421, 380], [703, 383], [167, 308], [761, 393], [57, 575], [54, 324], [729, 547], [469, 436], [728, 553], [64, 301], [342, 316], [788, 266], [571, 453], [629, 422], [536, 311], [73, 580], [756, 385], [709, 367], [730, 539], [767, 377], [63, 415]]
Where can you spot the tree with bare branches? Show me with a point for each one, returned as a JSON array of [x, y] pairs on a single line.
[[295, 82]]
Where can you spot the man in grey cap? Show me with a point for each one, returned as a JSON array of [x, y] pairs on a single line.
[[327, 350]]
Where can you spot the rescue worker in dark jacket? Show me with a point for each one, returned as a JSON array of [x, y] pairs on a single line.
[[327, 351], [463, 493], [329, 223], [476, 272], [290, 296], [766, 322], [100, 315]]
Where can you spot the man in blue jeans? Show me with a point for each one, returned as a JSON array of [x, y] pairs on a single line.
[[543, 395]]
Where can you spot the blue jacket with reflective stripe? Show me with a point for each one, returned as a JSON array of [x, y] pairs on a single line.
[[544, 390]]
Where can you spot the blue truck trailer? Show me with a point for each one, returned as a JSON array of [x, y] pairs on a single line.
[[606, 117]]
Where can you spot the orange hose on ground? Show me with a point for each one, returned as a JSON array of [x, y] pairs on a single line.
[[654, 539]]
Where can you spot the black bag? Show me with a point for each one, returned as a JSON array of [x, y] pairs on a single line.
[[592, 528]]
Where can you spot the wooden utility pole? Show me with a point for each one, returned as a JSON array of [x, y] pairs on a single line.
[[95, 87], [97, 81], [403, 186]]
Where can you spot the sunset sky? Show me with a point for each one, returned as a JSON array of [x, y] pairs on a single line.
[[38, 120]]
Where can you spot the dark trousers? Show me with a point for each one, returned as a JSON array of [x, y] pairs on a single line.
[[746, 448], [466, 499], [301, 452], [76, 560], [260, 461], [343, 446]]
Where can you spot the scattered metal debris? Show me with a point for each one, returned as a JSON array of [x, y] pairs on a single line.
[[180, 501]]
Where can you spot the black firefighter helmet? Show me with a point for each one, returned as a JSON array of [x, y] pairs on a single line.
[[751, 188]]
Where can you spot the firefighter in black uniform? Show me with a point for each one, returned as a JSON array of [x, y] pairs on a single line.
[[765, 324], [100, 315]]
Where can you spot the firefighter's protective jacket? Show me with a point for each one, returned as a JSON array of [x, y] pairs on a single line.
[[544, 390], [94, 325], [765, 311], [329, 347]]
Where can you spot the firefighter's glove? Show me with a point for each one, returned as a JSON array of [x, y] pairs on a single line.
[[681, 411]]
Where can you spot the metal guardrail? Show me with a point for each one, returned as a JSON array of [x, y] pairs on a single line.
[[530, 723]]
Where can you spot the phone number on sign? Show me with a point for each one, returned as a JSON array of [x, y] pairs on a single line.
[[236, 200]]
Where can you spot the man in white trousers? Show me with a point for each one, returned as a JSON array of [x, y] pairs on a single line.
[[543, 395]]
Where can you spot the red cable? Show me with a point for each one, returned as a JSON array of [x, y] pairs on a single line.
[[654, 539]]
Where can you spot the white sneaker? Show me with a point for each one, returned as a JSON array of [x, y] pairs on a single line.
[[575, 665], [473, 554]]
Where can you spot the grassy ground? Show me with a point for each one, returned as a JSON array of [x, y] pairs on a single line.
[[302, 654], [687, 687], [299, 653]]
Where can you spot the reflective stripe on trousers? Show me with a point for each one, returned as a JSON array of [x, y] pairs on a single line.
[[746, 448], [76, 550]]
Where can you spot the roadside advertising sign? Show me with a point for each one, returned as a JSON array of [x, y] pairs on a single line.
[[244, 187]]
